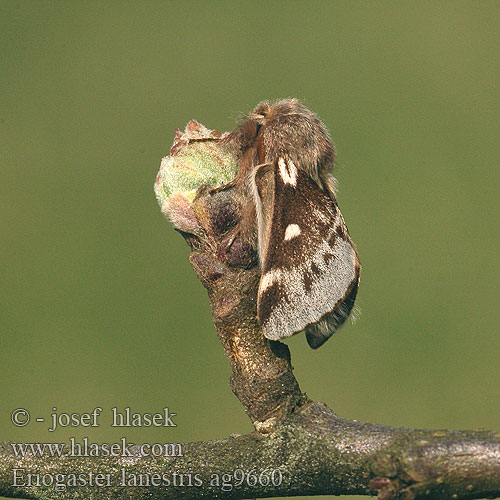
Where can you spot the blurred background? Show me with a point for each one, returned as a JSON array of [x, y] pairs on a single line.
[[99, 305]]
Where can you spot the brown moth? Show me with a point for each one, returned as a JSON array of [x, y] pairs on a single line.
[[309, 264]]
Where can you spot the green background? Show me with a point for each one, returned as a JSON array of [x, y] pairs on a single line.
[[99, 305]]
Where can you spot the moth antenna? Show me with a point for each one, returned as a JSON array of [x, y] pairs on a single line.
[[263, 168]]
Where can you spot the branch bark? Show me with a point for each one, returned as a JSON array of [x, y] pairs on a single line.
[[310, 450]]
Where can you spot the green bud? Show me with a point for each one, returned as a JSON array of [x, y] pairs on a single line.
[[196, 158]]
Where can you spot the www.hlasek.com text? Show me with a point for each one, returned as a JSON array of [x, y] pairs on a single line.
[[85, 448]]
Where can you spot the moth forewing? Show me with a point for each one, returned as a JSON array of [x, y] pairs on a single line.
[[309, 265]]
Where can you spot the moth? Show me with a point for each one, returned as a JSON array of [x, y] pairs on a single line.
[[309, 265]]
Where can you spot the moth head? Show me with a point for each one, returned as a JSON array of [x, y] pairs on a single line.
[[262, 113], [268, 114], [287, 126], [267, 111]]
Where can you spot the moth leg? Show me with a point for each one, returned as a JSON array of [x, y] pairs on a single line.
[[247, 228], [238, 248]]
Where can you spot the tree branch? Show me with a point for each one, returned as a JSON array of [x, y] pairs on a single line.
[[299, 447], [312, 452]]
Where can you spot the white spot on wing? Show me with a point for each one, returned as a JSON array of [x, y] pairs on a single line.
[[267, 280], [292, 231], [288, 171]]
